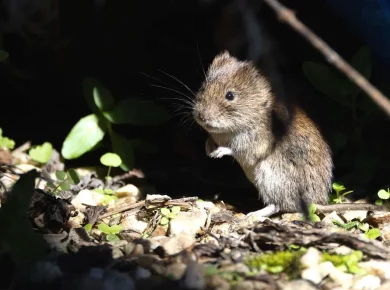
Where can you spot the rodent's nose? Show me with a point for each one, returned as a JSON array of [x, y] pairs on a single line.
[[199, 116]]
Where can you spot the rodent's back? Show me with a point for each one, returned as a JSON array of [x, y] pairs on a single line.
[[299, 167]]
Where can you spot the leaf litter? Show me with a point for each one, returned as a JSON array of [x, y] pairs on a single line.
[[80, 237]]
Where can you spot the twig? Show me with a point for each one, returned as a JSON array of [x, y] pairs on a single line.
[[331, 56]]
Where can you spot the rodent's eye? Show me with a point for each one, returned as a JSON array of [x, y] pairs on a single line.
[[229, 96]]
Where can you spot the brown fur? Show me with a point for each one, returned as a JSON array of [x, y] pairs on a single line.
[[279, 148]]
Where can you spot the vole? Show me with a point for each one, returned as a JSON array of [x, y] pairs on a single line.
[[279, 148]]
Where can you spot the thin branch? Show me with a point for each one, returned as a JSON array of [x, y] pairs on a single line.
[[331, 56]]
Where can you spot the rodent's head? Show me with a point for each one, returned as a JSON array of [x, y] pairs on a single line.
[[234, 97]]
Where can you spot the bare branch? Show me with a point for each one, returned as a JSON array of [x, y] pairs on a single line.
[[331, 56]]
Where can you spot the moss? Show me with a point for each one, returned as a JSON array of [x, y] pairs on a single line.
[[283, 261], [346, 263]]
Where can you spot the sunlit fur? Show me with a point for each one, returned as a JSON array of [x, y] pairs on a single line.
[[280, 149]]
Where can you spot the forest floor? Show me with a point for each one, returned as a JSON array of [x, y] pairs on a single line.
[[104, 233]]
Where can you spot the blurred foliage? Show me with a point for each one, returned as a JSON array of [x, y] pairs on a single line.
[[89, 131], [16, 227], [352, 115]]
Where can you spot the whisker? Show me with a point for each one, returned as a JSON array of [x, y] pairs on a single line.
[[161, 81], [179, 81], [186, 102], [200, 60], [173, 90]]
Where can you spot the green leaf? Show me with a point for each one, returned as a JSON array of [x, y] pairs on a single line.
[[314, 218], [112, 237], [312, 208], [88, 227], [379, 202], [175, 209], [338, 186], [99, 190], [1, 132], [373, 234], [41, 153], [60, 175], [164, 221], [124, 149], [3, 55], [73, 176], [104, 228], [323, 79], [83, 137], [165, 211], [65, 185], [171, 216], [51, 185], [137, 112], [364, 227], [89, 84], [115, 229], [362, 62], [383, 194], [103, 98], [108, 191], [111, 159], [5, 142]]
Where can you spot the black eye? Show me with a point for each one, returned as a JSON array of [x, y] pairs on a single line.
[[229, 96]]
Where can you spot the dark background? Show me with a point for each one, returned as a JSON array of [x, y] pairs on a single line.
[[54, 47]]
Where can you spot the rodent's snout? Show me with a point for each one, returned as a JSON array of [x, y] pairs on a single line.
[[202, 115]]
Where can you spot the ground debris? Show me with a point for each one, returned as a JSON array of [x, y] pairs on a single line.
[[153, 241]]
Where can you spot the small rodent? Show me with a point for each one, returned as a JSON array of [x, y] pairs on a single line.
[[280, 149]]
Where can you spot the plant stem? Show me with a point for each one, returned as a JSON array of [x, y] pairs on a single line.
[[108, 173]]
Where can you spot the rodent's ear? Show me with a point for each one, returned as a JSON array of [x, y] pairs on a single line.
[[224, 54]]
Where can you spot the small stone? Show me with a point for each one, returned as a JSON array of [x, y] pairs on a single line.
[[289, 217], [312, 274], [385, 286], [311, 258], [188, 222], [117, 253], [205, 204], [142, 273], [76, 221], [236, 267], [137, 251], [194, 277], [386, 232], [175, 271], [377, 268], [216, 282], [354, 214], [128, 190], [156, 198], [338, 276], [368, 282], [298, 284], [131, 223], [342, 250], [221, 229], [87, 197], [328, 219], [160, 231], [128, 248], [174, 245], [252, 285]]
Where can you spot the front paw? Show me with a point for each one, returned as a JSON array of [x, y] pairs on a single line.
[[220, 152]]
